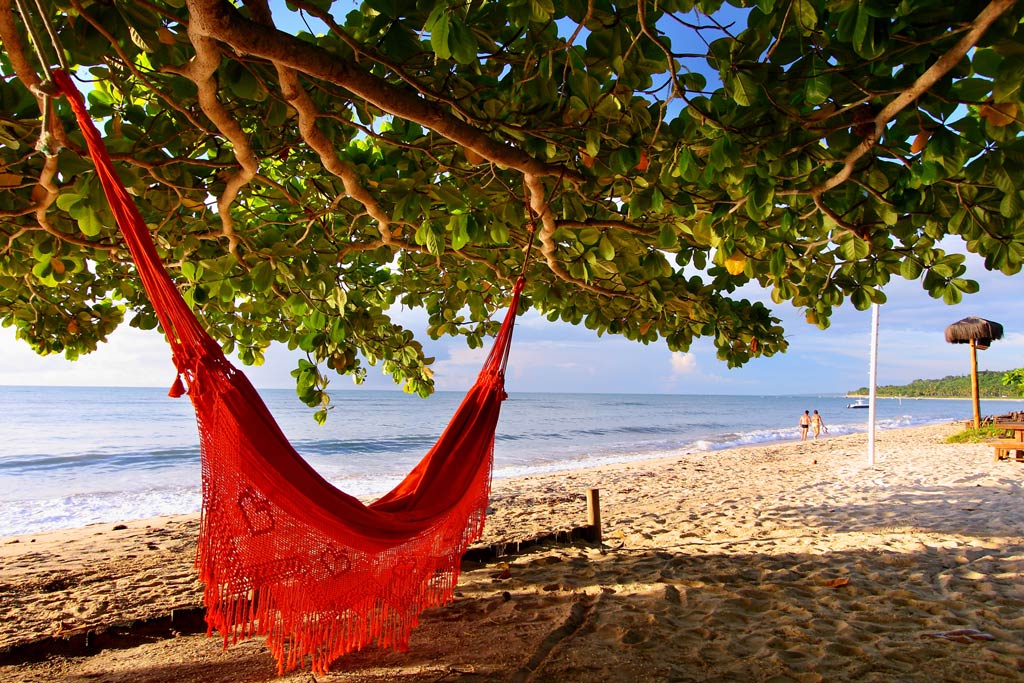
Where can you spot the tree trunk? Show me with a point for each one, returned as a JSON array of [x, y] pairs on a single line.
[[974, 384]]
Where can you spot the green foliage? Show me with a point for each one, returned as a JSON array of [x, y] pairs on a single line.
[[419, 143], [972, 435], [990, 385], [1015, 380]]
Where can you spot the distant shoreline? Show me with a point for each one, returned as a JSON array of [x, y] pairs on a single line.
[[941, 398]]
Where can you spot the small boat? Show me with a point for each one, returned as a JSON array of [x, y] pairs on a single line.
[[859, 403]]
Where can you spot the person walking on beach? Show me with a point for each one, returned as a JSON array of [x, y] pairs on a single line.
[[805, 423], [817, 424]]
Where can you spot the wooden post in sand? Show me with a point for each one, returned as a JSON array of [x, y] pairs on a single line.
[[974, 384], [594, 514]]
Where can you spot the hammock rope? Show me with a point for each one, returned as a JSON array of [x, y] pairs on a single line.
[[282, 553]]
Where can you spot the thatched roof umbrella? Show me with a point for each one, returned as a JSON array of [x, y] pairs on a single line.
[[979, 333]]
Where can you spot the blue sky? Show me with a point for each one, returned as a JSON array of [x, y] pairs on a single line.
[[554, 357]]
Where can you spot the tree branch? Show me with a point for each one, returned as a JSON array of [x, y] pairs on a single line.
[[987, 17], [219, 20], [548, 225], [201, 71], [315, 138]]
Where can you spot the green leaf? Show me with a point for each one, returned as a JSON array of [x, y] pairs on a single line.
[[853, 248], [453, 200], [67, 200], [338, 300], [461, 41], [8, 140], [499, 233], [89, 223], [457, 225], [653, 264], [986, 62], [723, 154], [694, 81], [589, 236], [438, 26], [952, 295], [622, 161], [956, 220], [191, 271], [585, 87], [777, 263], [847, 22], [782, 291], [910, 268], [865, 34], [262, 276], [657, 200], [972, 89], [806, 16], [43, 269], [686, 165], [389, 8], [862, 27], [667, 238], [541, 10], [1003, 180], [243, 84], [434, 242], [1011, 205], [760, 201], [296, 305], [139, 41], [1008, 80], [818, 89], [861, 299], [422, 233], [743, 89], [966, 286]]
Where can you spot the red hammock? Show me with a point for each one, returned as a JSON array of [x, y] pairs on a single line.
[[282, 552]]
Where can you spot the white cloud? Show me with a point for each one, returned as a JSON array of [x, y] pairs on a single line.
[[682, 364], [132, 357], [459, 370]]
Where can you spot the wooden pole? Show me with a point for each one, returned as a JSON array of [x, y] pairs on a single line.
[[974, 384], [594, 513]]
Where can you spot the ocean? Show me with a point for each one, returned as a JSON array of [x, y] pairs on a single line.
[[71, 456]]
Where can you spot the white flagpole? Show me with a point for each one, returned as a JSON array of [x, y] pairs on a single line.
[[872, 382]]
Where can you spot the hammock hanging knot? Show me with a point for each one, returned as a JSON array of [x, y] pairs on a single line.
[[47, 88], [47, 142], [48, 145]]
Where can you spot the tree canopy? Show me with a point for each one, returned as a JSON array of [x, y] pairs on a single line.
[[306, 166]]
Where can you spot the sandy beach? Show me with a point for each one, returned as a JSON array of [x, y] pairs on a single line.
[[779, 562]]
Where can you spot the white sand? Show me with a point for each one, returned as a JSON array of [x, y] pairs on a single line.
[[783, 562]]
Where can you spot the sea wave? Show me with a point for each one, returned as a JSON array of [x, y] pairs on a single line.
[[101, 460], [116, 456]]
